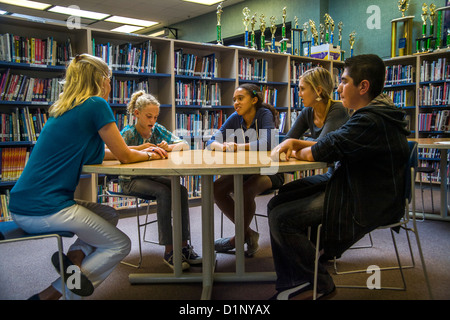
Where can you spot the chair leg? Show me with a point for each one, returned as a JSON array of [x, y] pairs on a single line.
[[316, 262], [61, 265], [139, 239], [422, 260]]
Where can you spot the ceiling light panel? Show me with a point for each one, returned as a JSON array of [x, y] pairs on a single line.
[[72, 11], [27, 4], [127, 29], [205, 2], [131, 21]]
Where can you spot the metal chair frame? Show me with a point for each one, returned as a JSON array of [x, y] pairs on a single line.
[[18, 235], [403, 224], [138, 220]]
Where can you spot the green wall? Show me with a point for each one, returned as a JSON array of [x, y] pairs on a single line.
[[353, 14]]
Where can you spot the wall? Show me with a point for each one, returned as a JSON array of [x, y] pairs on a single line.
[[353, 14]]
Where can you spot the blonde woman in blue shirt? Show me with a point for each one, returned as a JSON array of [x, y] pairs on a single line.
[[147, 132], [81, 122]]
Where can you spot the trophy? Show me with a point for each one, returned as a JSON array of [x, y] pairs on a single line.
[[340, 26], [219, 27], [306, 41], [273, 29], [405, 40], [331, 21], [262, 27], [441, 31], [296, 36], [327, 27], [246, 20], [322, 33], [252, 36], [422, 43], [314, 33], [432, 9], [403, 6], [283, 33], [352, 42]]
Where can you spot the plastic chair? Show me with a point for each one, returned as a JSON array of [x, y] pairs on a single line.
[[10, 232], [409, 196], [108, 193]]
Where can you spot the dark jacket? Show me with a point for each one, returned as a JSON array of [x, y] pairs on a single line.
[[366, 189]]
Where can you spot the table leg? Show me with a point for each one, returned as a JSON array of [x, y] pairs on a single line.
[[178, 276], [444, 178], [239, 223], [207, 236], [176, 228]]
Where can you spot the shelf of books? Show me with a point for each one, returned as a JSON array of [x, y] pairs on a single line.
[[433, 103]]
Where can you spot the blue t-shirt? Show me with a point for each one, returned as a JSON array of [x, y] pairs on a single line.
[[235, 129], [66, 143]]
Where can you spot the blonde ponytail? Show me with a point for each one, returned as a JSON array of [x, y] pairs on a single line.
[[139, 100]]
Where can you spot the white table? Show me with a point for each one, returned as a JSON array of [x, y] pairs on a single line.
[[207, 164]]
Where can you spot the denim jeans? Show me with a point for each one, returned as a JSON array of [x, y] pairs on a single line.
[[148, 187], [290, 214], [95, 226]]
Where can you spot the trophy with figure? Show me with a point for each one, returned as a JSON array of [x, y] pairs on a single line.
[[405, 40], [306, 41], [252, 35], [246, 20], [219, 26], [352, 42], [262, 27], [273, 30], [283, 33]]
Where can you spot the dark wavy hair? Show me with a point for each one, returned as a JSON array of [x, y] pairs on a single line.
[[255, 91]]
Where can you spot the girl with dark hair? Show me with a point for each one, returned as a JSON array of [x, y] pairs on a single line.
[[251, 127]]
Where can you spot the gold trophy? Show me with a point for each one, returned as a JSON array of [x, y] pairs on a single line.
[[421, 43], [308, 42], [296, 36], [283, 33], [219, 26], [352, 42], [246, 20], [252, 36], [322, 33], [262, 27], [340, 27], [273, 29], [405, 41], [432, 18], [403, 6], [314, 33], [331, 29]]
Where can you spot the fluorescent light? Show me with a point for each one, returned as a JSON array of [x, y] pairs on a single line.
[[157, 34], [127, 29], [205, 2], [3, 12], [135, 22], [27, 4], [75, 11]]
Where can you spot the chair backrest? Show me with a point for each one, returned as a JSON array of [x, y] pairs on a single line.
[[412, 164]]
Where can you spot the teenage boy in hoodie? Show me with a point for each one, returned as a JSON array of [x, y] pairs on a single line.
[[365, 191]]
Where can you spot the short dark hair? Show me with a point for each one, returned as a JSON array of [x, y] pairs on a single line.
[[367, 67]]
